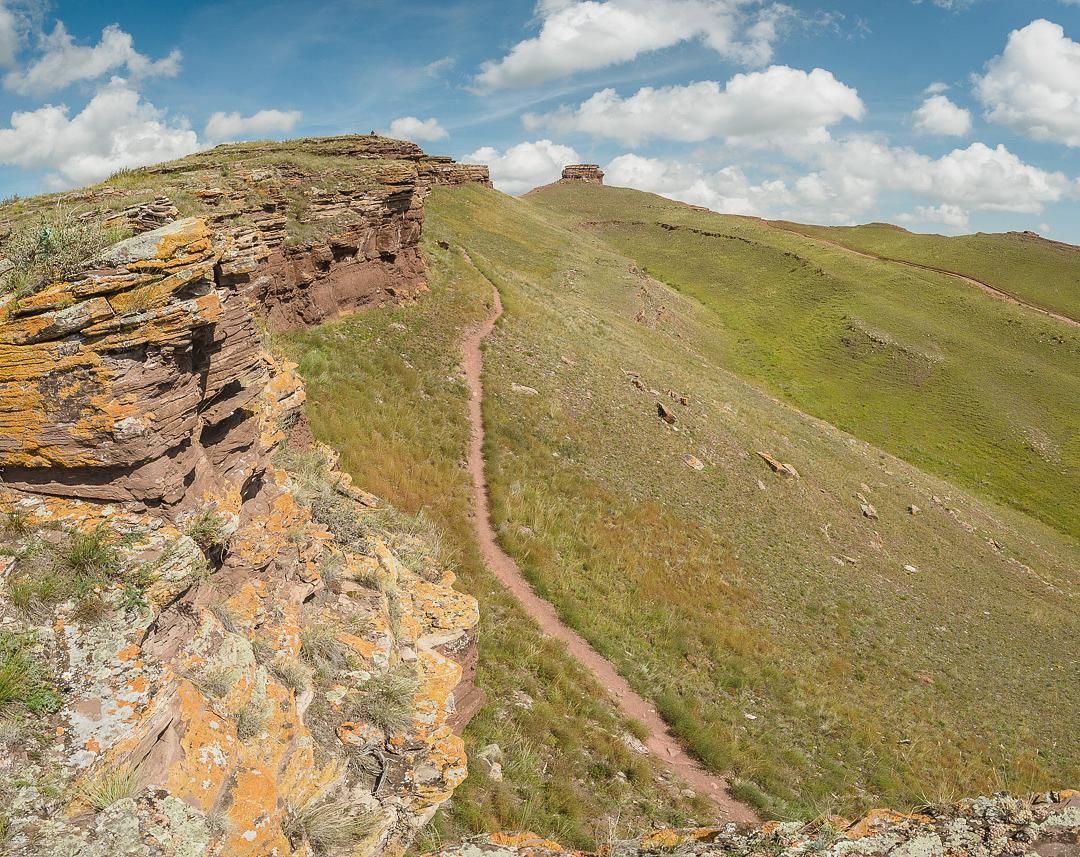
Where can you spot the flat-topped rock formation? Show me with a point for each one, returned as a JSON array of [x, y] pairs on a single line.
[[590, 173]]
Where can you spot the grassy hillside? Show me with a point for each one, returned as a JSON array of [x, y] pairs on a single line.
[[828, 659], [1044, 273], [384, 389], [927, 368]]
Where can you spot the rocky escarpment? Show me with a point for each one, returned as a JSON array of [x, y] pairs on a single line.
[[209, 642], [589, 173], [1045, 825], [332, 224]]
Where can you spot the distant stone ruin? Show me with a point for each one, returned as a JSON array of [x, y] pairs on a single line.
[[590, 173]]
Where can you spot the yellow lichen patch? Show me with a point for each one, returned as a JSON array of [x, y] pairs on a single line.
[[446, 756], [438, 675], [440, 609], [878, 819], [208, 747], [525, 840], [664, 839], [255, 816]]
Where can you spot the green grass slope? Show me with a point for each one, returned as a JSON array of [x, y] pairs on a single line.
[[385, 390], [1041, 272], [830, 661], [934, 371]]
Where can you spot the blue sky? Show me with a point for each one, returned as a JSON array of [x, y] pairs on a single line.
[[942, 115]]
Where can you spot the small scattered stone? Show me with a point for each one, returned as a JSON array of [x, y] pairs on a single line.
[[693, 462], [913, 509], [522, 390], [664, 414]]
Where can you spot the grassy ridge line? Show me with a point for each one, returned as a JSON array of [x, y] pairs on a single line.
[[946, 377], [384, 389], [866, 650], [1042, 272]]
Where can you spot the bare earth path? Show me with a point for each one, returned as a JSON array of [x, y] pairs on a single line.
[[661, 742]]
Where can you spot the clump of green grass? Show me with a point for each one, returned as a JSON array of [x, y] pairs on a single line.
[[329, 826], [24, 680], [56, 245], [48, 573], [385, 700], [323, 652], [208, 528], [110, 785]]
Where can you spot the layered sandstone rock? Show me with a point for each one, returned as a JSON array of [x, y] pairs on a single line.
[[590, 173], [333, 224], [1046, 826], [215, 664]]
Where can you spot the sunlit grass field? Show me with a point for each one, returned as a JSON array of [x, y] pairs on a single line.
[[827, 660], [1044, 273], [919, 364], [384, 389]]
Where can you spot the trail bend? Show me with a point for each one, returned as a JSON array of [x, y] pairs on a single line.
[[662, 745]]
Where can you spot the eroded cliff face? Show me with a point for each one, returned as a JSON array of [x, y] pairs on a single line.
[[208, 641]]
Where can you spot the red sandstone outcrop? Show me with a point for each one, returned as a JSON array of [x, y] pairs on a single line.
[[239, 651], [589, 173]]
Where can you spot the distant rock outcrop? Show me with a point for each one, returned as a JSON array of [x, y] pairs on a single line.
[[590, 173]]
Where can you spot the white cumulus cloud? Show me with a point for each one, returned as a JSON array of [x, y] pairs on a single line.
[[777, 101], [9, 37], [938, 115], [417, 130], [117, 128], [524, 166], [840, 181], [62, 62], [584, 35], [727, 190], [952, 217], [1033, 87], [225, 127]]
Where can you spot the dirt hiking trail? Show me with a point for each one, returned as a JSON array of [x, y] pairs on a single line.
[[660, 742]]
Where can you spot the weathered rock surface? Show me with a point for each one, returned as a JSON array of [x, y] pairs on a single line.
[[226, 678], [590, 173], [1048, 826]]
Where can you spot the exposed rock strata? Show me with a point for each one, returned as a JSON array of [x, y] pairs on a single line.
[[589, 173], [136, 398], [1002, 826]]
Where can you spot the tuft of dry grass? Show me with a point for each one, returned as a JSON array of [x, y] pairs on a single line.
[[107, 786], [330, 825]]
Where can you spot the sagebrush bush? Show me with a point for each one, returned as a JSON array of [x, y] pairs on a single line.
[[208, 528]]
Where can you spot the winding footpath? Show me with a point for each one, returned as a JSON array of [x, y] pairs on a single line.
[[660, 742]]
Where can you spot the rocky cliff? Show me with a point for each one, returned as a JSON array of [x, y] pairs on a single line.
[[209, 642]]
